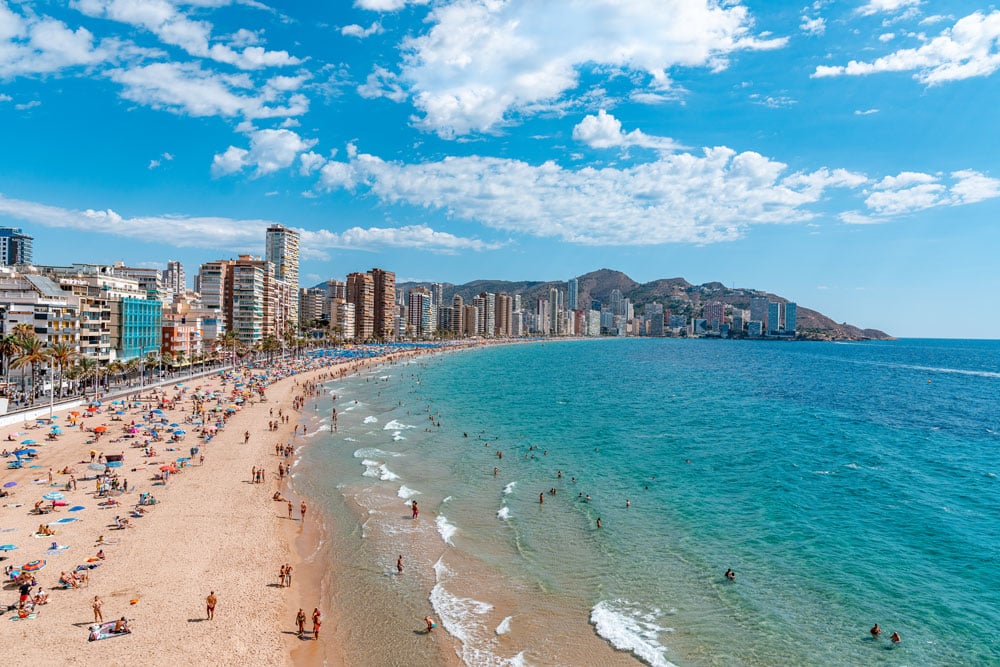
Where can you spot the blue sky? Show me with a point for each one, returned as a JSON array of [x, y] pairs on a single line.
[[841, 154]]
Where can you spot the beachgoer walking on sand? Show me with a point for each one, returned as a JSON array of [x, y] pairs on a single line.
[[399, 564], [290, 508], [210, 605], [300, 620], [288, 575], [430, 623], [416, 510], [281, 577], [317, 622], [302, 510], [246, 437], [98, 618]]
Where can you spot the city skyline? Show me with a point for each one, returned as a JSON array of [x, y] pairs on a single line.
[[839, 154]]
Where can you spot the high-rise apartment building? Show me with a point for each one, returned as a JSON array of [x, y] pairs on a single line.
[[174, 280], [282, 250], [555, 312], [791, 317], [774, 317], [504, 314], [361, 293], [384, 284], [758, 310], [15, 247], [312, 301], [572, 291], [617, 307], [715, 313], [419, 312]]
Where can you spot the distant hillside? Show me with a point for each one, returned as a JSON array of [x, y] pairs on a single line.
[[677, 294]]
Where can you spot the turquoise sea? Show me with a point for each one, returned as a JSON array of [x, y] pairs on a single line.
[[845, 484]]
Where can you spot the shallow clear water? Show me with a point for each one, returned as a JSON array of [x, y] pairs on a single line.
[[846, 484]]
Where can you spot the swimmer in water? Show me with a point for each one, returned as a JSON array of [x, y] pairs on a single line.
[[876, 631], [730, 575], [895, 638]]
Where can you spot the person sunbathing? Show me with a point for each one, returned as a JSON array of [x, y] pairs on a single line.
[[67, 580], [121, 625], [45, 530], [41, 597]]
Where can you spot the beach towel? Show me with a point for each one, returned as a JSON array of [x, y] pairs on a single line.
[[26, 618], [105, 631]]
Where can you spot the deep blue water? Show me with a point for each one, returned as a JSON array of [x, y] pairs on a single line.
[[846, 484]]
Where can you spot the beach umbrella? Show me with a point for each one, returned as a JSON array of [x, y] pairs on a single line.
[[179, 432], [174, 425], [119, 412], [100, 429], [157, 412], [10, 484], [55, 427], [33, 566], [28, 442], [7, 547], [77, 508], [28, 451], [92, 409], [53, 495], [75, 413]]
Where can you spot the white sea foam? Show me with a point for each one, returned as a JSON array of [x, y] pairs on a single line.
[[371, 468], [371, 419], [504, 626], [374, 452], [397, 436], [855, 466], [349, 439], [384, 377], [396, 426], [387, 475], [447, 499], [627, 628], [821, 472], [507, 490], [446, 529], [503, 513], [406, 492]]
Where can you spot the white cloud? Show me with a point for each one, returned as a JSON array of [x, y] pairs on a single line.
[[228, 234], [164, 19], [355, 30], [310, 162], [382, 83], [887, 37], [815, 27], [714, 196], [968, 49], [387, 5], [772, 101], [153, 164], [886, 6], [5, 98], [270, 150], [909, 192], [32, 44], [187, 88], [417, 237], [25, 106], [482, 63], [865, 112], [605, 131]]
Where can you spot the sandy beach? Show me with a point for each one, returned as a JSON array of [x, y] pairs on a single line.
[[211, 530]]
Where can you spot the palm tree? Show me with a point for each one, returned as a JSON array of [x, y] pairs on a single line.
[[269, 346], [10, 346], [230, 340], [33, 353], [63, 355]]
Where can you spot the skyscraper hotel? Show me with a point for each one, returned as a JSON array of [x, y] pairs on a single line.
[[282, 250], [15, 247]]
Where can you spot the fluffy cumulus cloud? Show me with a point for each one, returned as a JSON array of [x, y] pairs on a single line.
[[813, 26], [174, 28], [189, 89], [484, 62], [685, 197], [909, 192], [968, 49], [270, 150], [355, 30], [32, 44], [605, 131], [227, 233]]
